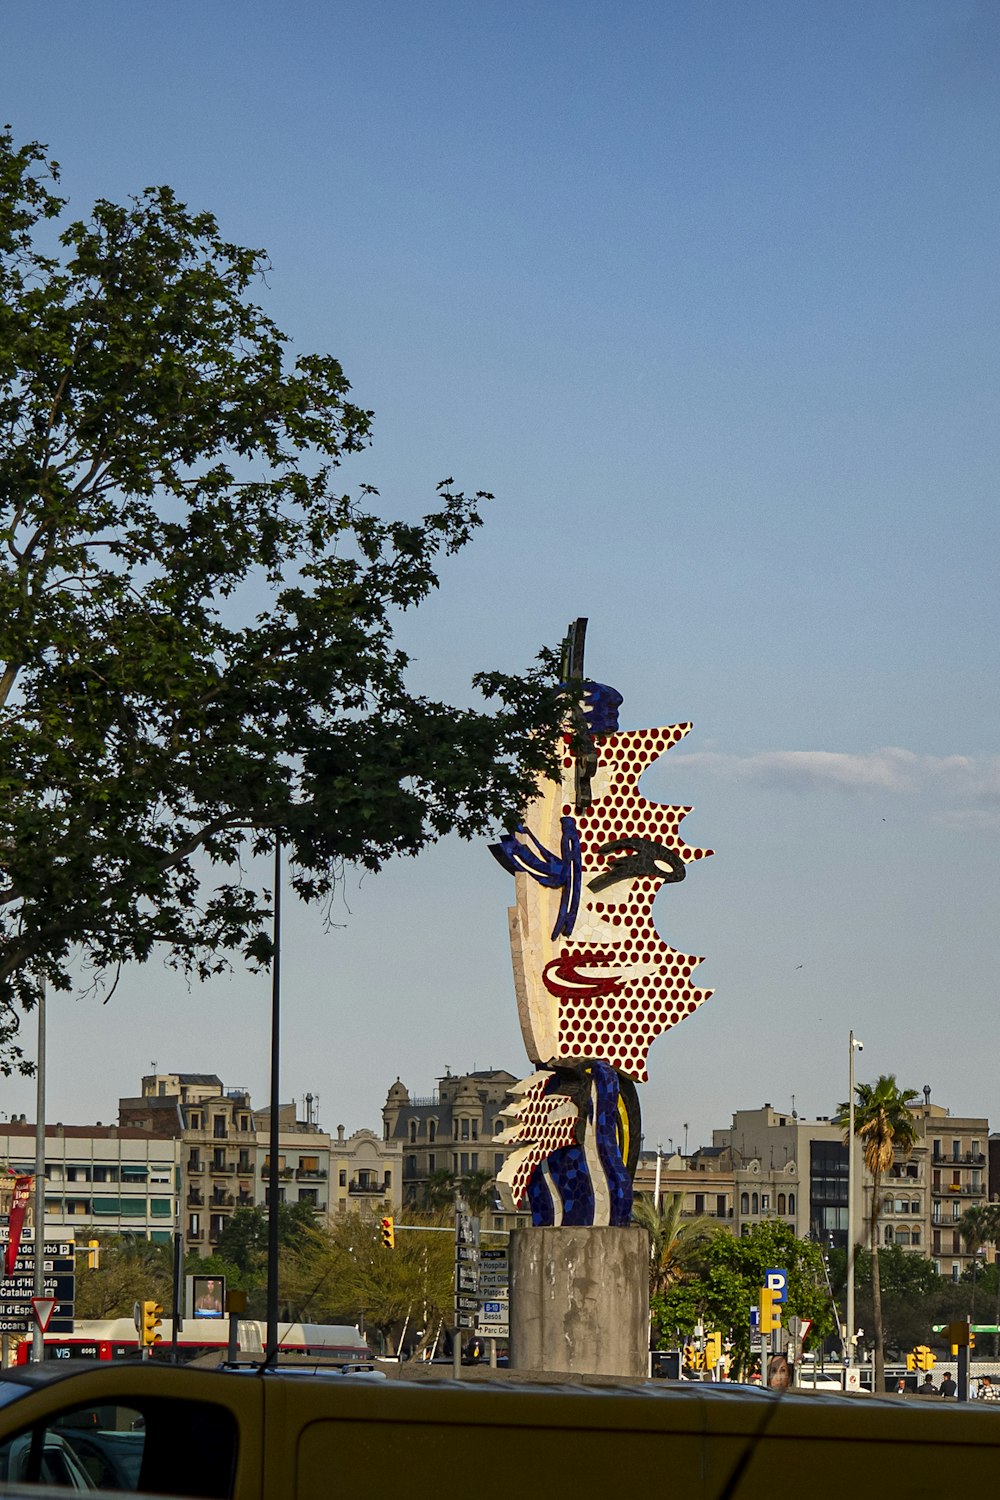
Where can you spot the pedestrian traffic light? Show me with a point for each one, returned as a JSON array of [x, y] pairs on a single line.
[[152, 1314], [713, 1350], [387, 1233], [770, 1310]]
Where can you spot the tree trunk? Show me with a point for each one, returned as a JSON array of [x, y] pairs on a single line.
[[878, 1381]]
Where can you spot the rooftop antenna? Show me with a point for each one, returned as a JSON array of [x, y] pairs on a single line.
[[685, 1138]]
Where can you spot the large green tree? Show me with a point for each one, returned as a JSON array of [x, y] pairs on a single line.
[[197, 648], [884, 1124], [724, 1282]]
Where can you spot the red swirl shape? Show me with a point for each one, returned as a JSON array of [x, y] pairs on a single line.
[[575, 976]]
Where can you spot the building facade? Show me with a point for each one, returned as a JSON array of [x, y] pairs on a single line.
[[101, 1178], [451, 1133]]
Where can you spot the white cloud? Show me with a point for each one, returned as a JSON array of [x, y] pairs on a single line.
[[970, 778]]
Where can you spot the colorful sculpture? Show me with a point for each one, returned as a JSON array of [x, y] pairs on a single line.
[[595, 983]]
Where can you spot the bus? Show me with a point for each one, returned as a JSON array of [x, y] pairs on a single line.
[[118, 1338]]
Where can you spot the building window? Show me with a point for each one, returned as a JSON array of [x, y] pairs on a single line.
[[720, 1206], [956, 1150], [699, 1203], [387, 1182], [902, 1236], [465, 1130], [219, 1127], [791, 1203], [411, 1166], [781, 1203], [474, 1161], [754, 1204], [194, 1119], [976, 1148], [887, 1236], [194, 1225], [915, 1238], [937, 1151], [308, 1195], [432, 1130], [413, 1131], [744, 1203], [765, 1202], [956, 1270], [475, 1130], [498, 1160], [465, 1163]]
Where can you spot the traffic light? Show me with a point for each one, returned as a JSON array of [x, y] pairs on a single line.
[[693, 1358], [911, 1361], [925, 1359], [713, 1350], [152, 1314], [387, 1233], [93, 1255], [770, 1310]]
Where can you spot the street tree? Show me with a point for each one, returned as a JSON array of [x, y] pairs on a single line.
[[884, 1124], [342, 1272], [128, 1269], [724, 1283], [197, 628]]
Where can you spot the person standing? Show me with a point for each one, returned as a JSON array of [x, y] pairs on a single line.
[[928, 1388], [948, 1386]]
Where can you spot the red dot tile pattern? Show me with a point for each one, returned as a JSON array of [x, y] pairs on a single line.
[[655, 990]]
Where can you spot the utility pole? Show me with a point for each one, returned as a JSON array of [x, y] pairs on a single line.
[[852, 1219], [37, 1336]]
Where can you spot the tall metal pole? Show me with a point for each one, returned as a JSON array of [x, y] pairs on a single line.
[[852, 1183], [38, 1337], [271, 1348]]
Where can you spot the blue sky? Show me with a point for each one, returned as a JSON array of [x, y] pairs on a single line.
[[707, 295]]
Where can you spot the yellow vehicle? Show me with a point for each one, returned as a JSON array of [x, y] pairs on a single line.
[[301, 1435]]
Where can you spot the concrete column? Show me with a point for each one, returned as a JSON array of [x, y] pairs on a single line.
[[579, 1300]]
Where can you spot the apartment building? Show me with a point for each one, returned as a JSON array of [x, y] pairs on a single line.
[[101, 1178], [451, 1131]]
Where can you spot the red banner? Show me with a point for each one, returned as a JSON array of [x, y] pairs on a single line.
[[18, 1204]]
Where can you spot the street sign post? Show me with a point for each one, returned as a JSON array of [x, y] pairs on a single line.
[[494, 1294], [18, 1292]]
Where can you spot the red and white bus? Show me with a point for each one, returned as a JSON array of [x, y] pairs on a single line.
[[117, 1338]]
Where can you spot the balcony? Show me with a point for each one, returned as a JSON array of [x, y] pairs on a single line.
[[196, 1166], [245, 1200], [195, 1236], [373, 1188], [195, 1199], [284, 1173], [306, 1174], [222, 1168], [221, 1200]]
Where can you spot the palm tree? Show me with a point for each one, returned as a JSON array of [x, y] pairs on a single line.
[[479, 1191], [979, 1226], [884, 1124], [674, 1241], [439, 1190]]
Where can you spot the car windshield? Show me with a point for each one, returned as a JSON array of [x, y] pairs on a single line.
[[10, 1390]]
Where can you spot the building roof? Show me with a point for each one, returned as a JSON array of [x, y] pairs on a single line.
[[85, 1132]]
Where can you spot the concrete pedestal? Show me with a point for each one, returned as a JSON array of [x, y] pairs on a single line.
[[579, 1300]]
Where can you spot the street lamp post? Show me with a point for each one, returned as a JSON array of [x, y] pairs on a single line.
[[855, 1046]]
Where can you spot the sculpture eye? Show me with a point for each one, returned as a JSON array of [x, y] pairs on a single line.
[[646, 858]]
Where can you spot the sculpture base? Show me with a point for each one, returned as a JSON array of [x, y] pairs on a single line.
[[579, 1300]]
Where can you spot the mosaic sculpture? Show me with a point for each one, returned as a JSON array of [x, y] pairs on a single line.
[[595, 983]]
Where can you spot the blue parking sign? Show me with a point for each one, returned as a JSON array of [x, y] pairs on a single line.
[[777, 1282]]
